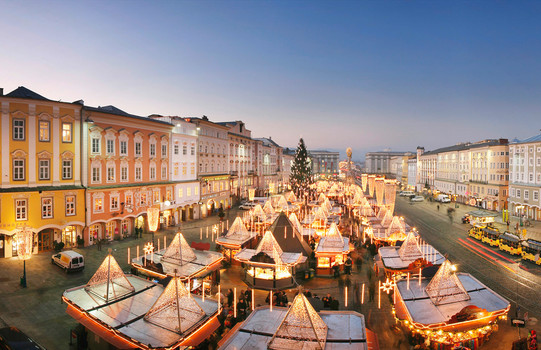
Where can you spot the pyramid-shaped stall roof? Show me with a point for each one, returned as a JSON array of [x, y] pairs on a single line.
[[295, 222], [268, 209], [291, 197], [289, 239], [259, 213], [179, 251], [175, 309], [109, 281], [268, 245], [397, 224], [238, 230], [282, 204], [301, 328], [410, 250], [445, 287], [333, 238]]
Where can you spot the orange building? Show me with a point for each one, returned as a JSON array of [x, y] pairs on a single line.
[[126, 171]]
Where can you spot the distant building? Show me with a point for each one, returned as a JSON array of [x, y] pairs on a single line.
[[324, 162], [380, 162]]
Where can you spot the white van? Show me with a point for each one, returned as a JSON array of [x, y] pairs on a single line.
[[443, 198], [407, 193], [69, 260]]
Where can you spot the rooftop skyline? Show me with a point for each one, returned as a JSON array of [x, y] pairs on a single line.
[[366, 75]]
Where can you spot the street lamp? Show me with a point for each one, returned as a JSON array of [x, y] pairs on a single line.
[[24, 240], [153, 216]]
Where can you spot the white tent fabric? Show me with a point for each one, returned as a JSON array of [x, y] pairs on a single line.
[[410, 248], [238, 229], [302, 328], [445, 287], [179, 251], [268, 245], [109, 281]]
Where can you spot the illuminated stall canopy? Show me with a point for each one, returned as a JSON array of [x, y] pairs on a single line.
[[332, 249], [140, 314], [300, 327], [179, 257]]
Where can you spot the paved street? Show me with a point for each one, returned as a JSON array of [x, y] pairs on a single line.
[[38, 310]]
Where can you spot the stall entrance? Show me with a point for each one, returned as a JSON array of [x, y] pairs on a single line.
[[45, 240], [2, 245]]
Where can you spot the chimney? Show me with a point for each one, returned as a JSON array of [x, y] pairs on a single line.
[[1, 91]]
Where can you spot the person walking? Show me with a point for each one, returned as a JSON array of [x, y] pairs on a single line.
[[327, 300], [371, 290], [347, 266], [99, 244]]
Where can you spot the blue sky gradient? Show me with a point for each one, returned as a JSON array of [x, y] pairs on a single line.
[[365, 74]]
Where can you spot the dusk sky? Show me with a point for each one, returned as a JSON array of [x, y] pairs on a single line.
[[366, 74]]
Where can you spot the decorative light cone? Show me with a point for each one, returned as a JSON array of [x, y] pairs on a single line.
[[24, 240], [153, 215]]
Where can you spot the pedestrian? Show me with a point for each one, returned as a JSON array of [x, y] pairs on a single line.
[[347, 266], [438, 207], [507, 224], [327, 301], [336, 269], [241, 308], [99, 244], [371, 290], [230, 296]]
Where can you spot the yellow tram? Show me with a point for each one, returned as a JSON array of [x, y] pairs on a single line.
[[491, 236], [531, 251], [510, 243]]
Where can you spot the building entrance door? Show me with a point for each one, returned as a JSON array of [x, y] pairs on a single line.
[[45, 240], [2, 245]]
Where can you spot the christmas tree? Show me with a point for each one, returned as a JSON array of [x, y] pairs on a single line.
[[301, 170]]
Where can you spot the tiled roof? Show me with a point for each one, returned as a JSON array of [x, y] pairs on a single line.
[[117, 111], [22, 92], [466, 145], [267, 141]]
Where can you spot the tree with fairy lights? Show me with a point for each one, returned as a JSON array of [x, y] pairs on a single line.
[[301, 171]]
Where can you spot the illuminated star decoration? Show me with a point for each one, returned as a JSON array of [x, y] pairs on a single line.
[[148, 248], [388, 286], [215, 229]]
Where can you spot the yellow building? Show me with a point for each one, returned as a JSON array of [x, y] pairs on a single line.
[[41, 186]]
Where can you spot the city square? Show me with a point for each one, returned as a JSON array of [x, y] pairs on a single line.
[[270, 175]]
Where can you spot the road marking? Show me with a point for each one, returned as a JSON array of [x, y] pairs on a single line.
[[485, 254], [490, 250]]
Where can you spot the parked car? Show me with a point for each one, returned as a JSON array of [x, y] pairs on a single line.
[[69, 260], [443, 198], [417, 199], [12, 338], [247, 205]]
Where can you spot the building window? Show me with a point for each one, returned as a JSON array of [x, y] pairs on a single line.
[[184, 150], [138, 149], [143, 199], [113, 203], [175, 149], [152, 150], [192, 170], [123, 148], [152, 172], [66, 169], [535, 195], [196, 191], [70, 205], [188, 191], [110, 147], [44, 131], [66, 132], [184, 170], [98, 205], [192, 150], [129, 200], [180, 192], [164, 151], [138, 173], [18, 129], [526, 194], [111, 174], [518, 193], [156, 196], [124, 173], [46, 208], [95, 149], [96, 174], [18, 170], [44, 169], [20, 209], [164, 171]]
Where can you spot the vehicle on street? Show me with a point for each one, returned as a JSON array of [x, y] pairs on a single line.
[[69, 260], [247, 205], [531, 250], [466, 219], [12, 338], [406, 193], [443, 198], [510, 243], [417, 199]]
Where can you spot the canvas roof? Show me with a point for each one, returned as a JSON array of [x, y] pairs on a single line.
[[289, 239], [109, 281]]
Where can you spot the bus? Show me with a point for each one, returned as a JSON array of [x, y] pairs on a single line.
[[530, 251]]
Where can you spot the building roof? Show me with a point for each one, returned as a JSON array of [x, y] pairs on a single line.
[[22, 92], [467, 145], [117, 111], [267, 142], [288, 237], [536, 138]]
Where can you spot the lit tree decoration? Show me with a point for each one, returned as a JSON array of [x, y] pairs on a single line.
[[364, 181], [301, 171], [371, 184], [387, 286], [215, 229], [251, 194], [390, 194], [380, 188]]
